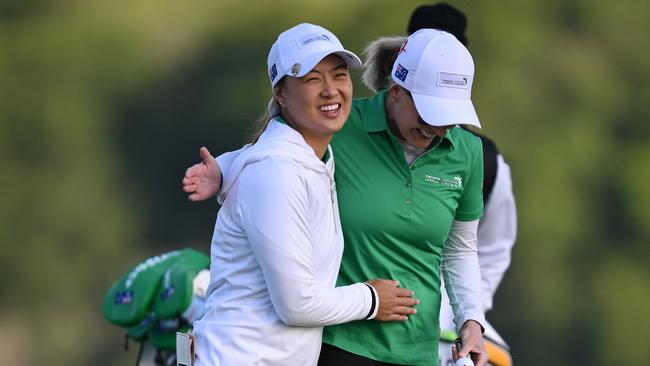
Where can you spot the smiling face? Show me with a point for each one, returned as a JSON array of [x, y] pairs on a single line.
[[405, 122], [317, 104]]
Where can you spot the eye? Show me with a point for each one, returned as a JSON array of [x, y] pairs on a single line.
[[312, 79], [342, 74]]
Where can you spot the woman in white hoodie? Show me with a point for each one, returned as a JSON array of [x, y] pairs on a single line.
[[277, 242], [410, 188]]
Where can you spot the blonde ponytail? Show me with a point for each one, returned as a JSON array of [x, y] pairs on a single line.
[[380, 56]]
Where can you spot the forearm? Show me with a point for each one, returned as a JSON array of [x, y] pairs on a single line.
[[313, 306], [461, 271]]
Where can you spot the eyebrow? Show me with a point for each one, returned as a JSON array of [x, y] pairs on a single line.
[[340, 66]]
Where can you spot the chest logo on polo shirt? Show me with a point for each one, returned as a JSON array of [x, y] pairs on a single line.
[[454, 183]]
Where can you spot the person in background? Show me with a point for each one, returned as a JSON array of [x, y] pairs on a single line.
[[409, 184], [497, 229], [277, 242]]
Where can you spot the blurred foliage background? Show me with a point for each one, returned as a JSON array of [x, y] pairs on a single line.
[[104, 104]]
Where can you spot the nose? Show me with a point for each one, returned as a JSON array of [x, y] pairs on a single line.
[[329, 88]]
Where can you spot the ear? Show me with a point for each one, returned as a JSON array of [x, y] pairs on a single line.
[[394, 92], [278, 95]]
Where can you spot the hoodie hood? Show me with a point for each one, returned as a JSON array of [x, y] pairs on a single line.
[[278, 141]]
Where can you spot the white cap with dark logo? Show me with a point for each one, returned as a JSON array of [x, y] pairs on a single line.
[[299, 49], [438, 71]]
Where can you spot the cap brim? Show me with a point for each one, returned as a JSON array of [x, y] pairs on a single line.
[[437, 111], [308, 64]]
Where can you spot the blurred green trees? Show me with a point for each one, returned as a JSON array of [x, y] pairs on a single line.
[[103, 105]]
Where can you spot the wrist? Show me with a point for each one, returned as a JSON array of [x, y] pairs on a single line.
[[374, 305], [472, 324]]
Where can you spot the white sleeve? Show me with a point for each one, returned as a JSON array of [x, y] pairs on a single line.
[[461, 272], [497, 231], [275, 217], [224, 161]]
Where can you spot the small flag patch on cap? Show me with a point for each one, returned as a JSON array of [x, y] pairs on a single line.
[[273, 72], [401, 72]]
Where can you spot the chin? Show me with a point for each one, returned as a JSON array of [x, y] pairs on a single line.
[[337, 124], [421, 144]]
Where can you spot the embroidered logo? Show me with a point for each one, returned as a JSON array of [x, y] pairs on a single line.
[[450, 80], [401, 72], [273, 72], [309, 39], [454, 183], [123, 297], [146, 265]]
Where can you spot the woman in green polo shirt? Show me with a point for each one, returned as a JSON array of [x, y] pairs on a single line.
[[409, 188]]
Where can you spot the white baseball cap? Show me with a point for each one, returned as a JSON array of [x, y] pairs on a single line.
[[438, 71], [299, 49]]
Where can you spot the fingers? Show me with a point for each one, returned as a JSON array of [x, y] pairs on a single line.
[[378, 281], [407, 301], [464, 351], [482, 360], [193, 171], [397, 317], [206, 157], [479, 355], [404, 310], [402, 292]]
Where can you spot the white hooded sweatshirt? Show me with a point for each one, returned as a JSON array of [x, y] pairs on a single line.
[[276, 253]]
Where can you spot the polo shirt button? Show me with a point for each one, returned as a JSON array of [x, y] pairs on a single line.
[[408, 184], [408, 202]]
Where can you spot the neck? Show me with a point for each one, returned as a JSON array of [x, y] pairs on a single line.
[[319, 145]]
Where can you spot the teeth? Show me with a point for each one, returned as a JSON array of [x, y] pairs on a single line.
[[425, 134], [329, 108]]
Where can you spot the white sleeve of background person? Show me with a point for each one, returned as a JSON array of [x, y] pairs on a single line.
[[276, 219], [461, 272], [497, 232], [224, 161]]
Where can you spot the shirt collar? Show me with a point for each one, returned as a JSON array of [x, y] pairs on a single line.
[[375, 118]]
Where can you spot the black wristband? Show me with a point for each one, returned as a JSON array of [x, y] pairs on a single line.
[[373, 304]]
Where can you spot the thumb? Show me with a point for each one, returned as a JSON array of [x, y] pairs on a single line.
[[465, 351], [206, 157]]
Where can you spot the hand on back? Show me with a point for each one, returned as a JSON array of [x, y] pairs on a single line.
[[202, 180]]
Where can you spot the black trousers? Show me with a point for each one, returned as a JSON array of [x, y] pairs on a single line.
[[334, 356]]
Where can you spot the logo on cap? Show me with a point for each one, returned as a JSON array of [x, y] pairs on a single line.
[[453, 80], [302, 42], [167, 293], [123, 297], [273, 72], [295, 69], [401, 72]]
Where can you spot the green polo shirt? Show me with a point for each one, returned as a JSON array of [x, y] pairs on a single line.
[[396, 219]]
